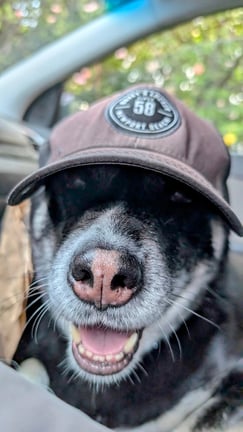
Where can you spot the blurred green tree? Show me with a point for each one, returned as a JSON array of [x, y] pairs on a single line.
[[27, 25]]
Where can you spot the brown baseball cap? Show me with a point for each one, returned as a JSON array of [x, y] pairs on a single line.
[[145, 127]]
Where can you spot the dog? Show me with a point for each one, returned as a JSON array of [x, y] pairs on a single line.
[[131, 268]]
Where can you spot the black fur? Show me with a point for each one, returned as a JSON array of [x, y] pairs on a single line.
[[146, 207]]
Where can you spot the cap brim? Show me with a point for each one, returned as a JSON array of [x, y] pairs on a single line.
[[133, 157]]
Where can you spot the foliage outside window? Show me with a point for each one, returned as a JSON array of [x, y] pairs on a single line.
[[27, 25], [201, 62]]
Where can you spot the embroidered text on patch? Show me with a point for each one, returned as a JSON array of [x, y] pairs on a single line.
[[144, 111]]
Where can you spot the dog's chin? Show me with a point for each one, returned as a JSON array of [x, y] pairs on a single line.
[[101, 355]]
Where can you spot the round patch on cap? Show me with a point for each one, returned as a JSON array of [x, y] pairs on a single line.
[[144, 111]]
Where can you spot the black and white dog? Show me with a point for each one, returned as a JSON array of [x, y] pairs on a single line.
[[132, 267]]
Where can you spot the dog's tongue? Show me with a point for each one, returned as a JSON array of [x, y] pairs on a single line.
[[103, 341]]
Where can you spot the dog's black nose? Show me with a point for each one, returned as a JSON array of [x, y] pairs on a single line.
[[105, 277]]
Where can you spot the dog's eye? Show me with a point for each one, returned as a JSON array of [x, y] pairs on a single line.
[[179, 197], [75, 183]]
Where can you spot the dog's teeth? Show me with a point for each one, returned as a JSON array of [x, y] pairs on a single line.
[[128, 348], [119, 356], [129, 345], [109, 357], [75, 334], [99, 358], [81, 349]]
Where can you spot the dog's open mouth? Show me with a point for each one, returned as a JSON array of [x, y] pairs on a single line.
[[103, 351]]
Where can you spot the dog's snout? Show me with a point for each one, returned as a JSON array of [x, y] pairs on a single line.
[[105, 277]]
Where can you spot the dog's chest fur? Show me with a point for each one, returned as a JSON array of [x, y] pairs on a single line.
[[185, 375]]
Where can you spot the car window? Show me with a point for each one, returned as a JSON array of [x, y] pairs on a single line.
[[26, 26], [201, 62]]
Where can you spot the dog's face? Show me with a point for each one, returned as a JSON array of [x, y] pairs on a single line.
[[124, 255]]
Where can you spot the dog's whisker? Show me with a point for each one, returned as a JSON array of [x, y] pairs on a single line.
[[177, 339], [172, 302], [183, 297], [62, 363], [167, 340], [36, 282], [129, 378], [65, 372], [45, 307], [142, 368], [34, 314], [54, 320], [37, 322], [65, 369], [32, 289], [185, 324], [73, 377], [32, 302], [136, 376], [215, 294], [35, 293], [35, 288]]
